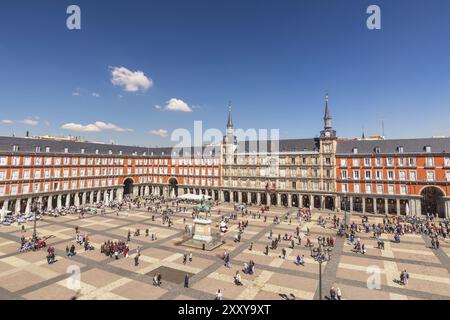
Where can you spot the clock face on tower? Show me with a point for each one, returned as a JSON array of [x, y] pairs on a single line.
[[327, 134]]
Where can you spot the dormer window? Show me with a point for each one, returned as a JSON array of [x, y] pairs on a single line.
[[152, 153], [355, 150], [83, 151], [400, 149], [162, 153], [427, 148], [96, 151], [377, 150], [109, 151], [66, 150], [38, 149], [47, 149], [15, 148], [120, 152], [144, 154]]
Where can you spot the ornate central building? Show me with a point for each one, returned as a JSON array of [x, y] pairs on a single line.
[[286, 172]]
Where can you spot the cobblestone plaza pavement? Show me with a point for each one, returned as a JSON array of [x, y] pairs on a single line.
[[28, 276]]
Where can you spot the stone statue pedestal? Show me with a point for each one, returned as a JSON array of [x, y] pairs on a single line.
[[202, 230], [203, 238]]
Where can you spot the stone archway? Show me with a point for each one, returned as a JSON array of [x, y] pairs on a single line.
[[273, 199], [226, 196], [329, 203], [128, 186], [432, 201], [317, 203], [264, 199], [294, 200], [306, 203], [284, 200], [173, 187]]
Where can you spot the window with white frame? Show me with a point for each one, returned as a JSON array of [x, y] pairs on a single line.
[[344, 187], [378, 162], [390, 162], [379, 188], [430, 175], [403, 189], [368, 188], [391, 175], [379, 175], [14, 189], [3, 161], [447, 161], [391, 189]]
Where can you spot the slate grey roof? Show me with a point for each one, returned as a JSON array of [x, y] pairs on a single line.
[[284, 145], [391, 146], [28, 145]]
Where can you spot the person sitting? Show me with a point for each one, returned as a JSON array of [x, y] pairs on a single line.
[[300, 260], [246, 268], [237, 238], [397, 238], [237, 279]]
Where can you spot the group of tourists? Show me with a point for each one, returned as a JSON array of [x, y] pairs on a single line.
[[31, 244], [112, 249]]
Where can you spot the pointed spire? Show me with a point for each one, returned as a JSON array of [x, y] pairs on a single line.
[[327, 117], [363, 136], [230, 120]]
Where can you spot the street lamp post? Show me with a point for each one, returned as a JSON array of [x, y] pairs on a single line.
[[36, 205], [320, 256], [345, 211]]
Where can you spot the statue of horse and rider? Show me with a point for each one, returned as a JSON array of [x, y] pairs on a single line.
[[203, 207]]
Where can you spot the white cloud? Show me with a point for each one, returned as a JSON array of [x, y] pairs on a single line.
[[94, 127], [160, 132], [29, 122], [158, 107], [177, 105], [129, 80], [95, 94]]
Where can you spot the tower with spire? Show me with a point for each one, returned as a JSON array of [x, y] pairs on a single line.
[[327, 131], [229, 137]]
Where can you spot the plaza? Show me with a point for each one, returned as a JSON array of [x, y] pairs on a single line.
[[28, 276]]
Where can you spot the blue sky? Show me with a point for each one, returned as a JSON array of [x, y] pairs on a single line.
[[273, 59]]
